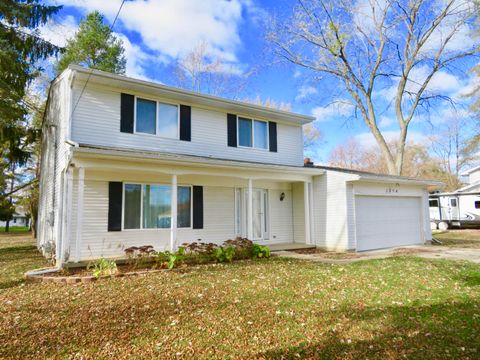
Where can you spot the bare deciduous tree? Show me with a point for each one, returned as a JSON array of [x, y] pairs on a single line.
[[199, 71], [417, 160], [451, 143], [370, 46]]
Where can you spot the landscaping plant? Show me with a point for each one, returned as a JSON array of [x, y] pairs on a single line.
[[102, 267], [260, 251], [224, 253]]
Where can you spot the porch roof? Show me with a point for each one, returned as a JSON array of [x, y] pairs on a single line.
[[94, 152]]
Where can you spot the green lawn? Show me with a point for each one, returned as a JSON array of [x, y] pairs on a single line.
[[15, 229], [459, 238], [401, 307]]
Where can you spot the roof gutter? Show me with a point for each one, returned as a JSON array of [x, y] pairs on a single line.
[[388, 180], [178, 159]]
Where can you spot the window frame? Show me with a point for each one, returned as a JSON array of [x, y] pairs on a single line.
[[451, 201], [253, 147], [436, 200], [156, 118], [475, 202], [141, 206]]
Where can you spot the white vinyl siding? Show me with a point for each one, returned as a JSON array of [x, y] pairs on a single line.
[[55, 153], [96, 121]]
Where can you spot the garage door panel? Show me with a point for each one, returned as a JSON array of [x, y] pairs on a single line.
[[383, 222]]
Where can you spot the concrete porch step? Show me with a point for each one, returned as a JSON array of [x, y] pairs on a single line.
[[289, 246]]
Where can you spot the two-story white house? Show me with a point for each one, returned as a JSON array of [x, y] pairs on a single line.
[[128, 162]]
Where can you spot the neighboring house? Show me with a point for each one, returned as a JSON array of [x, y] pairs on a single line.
[[129, 162], [20, 219], [460, 207]]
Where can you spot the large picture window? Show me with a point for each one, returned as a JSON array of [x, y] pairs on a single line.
[[149, 206], [156, 118], [133, 196], [252, 133]]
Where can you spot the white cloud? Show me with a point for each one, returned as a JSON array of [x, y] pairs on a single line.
[[173, 28], [136, 59], [366, 140], [305, 91], [59, 32], [442, 83], [386, 121], [333, 110]]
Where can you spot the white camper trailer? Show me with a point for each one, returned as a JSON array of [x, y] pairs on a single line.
[[454, 209], [458, 208]]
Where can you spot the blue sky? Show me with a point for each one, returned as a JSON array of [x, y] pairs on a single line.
[[157, 33]]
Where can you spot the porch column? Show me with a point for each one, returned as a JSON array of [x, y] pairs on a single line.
[[173, 221], [250, 210], [78, 237], [306, 203]]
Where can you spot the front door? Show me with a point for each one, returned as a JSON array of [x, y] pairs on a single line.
[[259, 213], [260, 222]]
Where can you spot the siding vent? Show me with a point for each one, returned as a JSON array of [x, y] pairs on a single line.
[[115, 194], [232, 130], [127, 104]]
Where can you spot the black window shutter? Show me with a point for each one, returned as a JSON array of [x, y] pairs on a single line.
[[185, 123], [115, 194], [198, 207], [272, 135], [232, 129], [127, 103]]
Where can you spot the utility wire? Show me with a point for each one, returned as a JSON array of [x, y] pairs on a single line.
[[91, 70]]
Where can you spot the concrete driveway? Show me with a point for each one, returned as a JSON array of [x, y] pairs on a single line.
[[424, 251]]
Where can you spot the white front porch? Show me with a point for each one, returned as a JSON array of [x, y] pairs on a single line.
[[270, 205]]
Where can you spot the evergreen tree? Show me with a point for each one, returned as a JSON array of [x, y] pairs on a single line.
[[21, 48], [94, 46]]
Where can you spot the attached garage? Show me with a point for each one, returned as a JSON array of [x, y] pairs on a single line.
[[362, 211], [383, 221]]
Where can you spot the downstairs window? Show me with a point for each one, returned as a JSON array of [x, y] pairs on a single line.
[[149, 206]]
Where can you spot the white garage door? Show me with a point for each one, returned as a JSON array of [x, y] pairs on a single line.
[[384, 222]]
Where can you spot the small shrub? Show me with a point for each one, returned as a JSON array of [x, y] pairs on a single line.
[[102, 267], [224, 253], [169, 260], [260, 251], [243, 247], [140, 256]]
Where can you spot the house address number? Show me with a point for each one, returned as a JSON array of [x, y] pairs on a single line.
[[392, 189]]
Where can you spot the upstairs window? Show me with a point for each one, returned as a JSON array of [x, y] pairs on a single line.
[[146, 116], [168, 120], [252, 133], [156, 118]]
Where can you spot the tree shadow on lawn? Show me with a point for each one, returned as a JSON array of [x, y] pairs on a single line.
[[443, 330], [447, 330]]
